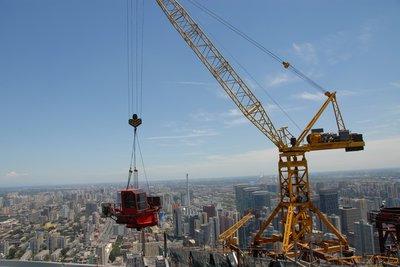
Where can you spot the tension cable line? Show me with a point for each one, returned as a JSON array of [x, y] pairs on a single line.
[[258, 45], [135, 47]]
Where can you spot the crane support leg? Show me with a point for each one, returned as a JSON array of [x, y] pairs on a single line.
[[295, 208]]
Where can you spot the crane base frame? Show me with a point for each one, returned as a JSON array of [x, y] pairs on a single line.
[[295, 208]]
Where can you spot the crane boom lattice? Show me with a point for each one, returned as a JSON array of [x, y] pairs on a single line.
[[220, 68]]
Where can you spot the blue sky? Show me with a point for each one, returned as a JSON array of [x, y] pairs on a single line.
[[64, 88]]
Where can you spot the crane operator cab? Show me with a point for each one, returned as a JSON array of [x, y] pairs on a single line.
[[133, 208]]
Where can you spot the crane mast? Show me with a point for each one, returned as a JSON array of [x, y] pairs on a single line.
[[295, 206]]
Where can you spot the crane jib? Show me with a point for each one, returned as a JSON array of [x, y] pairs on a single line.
[[220, 68]]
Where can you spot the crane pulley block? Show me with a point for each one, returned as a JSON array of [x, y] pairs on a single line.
[[135, 121]]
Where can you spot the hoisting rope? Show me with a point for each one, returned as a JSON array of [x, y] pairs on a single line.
[[135, 46], [133, 158], [144, 169], [135, 88], [135, 122], [285, 64]]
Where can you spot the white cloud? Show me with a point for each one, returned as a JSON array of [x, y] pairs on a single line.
[[11, 175], [236, 122], [369, 158], [247, 163], [336, 46], [192, 134], [254, 162], [396, 84], [311, 96], [306, 52], [280, 79], [203, 116], [364, 38]]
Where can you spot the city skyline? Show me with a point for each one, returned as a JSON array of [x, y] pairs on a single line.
[[65, 224], [63, 89]]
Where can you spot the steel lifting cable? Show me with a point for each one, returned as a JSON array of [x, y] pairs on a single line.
[[258, 84], [133, 158], [135, 97], [141, 61], [240, 65], [258, 45], [144, 169], [128, 52]]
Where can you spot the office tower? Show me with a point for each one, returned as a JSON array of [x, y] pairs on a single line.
[[245, 234], [261, 200], [215, 228], [335, 221], [193, 223], [90, 208], [319, 186], [95, 218], [364, 238], [53, 241], [210, 210], [205, 232], [64, 211], [239, 197], [178, 226], [360, 204], [348, 217], [118, 229], [248, 198], [187, 190], [134, 260], [329, 201]]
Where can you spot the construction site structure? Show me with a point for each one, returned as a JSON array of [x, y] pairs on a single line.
[[227, 237], [387, 222], [295, 206]]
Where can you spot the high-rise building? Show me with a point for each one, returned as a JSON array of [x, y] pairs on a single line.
[[53, 241], [101, 254], [364, 238], [261, 200], [239, 197], [119, 229], [204, 217], [178, 226], [248, 198], [335, 221], [194, 221], [64, 211], [349, 216], [205, 230], [187, 191], [329, 201], [361, 204], [4, 247], [134, 260], [210, 210], [90, 208], [214, 221]]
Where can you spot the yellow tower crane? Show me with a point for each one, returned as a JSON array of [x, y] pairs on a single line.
[[295, 206], [227, 239]]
